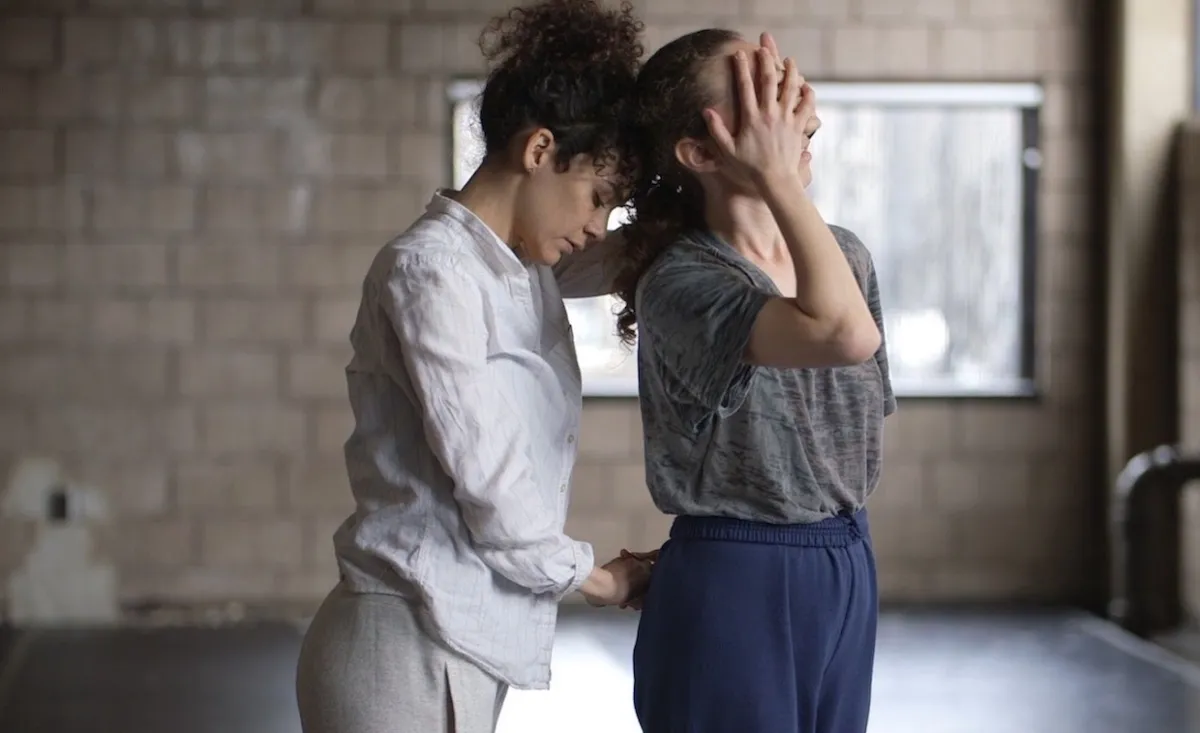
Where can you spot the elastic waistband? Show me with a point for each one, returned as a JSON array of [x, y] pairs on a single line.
[[840, 531]]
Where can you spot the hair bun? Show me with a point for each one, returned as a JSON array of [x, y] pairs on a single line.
[[571, 35]]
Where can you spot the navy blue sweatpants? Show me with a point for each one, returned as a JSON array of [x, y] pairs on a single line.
[[758, 628]]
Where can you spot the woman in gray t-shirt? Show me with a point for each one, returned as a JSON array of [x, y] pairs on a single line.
[[764, 385]]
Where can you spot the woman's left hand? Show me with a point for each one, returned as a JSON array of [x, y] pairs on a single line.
[[635, 601]]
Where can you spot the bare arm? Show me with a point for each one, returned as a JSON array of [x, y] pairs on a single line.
[[828, 323], [589, 274]]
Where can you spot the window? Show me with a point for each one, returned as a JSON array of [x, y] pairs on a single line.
[[939, 181]]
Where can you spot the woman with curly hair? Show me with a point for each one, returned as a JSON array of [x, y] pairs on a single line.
[[466, 396], [764, 385]]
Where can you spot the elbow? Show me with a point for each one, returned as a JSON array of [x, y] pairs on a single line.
[[856, 341]]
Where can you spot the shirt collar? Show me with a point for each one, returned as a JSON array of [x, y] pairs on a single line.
[[494, 250]]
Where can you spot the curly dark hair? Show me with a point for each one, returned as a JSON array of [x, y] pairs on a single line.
[[569, 66], [667, 199]]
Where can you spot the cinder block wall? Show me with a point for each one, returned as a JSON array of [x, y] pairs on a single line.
[[189, 193]]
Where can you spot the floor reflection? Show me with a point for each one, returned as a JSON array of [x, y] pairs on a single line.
[[937, 672]]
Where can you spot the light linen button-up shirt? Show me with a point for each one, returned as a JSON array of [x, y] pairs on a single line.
[[466, 395]]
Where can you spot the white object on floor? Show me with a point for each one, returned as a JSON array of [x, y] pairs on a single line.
[[60, 581], [60, 584]]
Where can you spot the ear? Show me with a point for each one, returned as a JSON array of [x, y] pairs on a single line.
[[538, 151], [696, 155]]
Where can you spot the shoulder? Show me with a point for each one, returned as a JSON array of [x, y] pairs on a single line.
[[856, 252], [428, 247], [429, 241], [419, 266], [691, 282], [849, 241], [687, 264]]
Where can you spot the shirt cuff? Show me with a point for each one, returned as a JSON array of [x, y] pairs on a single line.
[[585, 560]]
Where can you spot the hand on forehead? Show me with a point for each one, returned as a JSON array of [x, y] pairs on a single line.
[[722, 74], [723, 77]]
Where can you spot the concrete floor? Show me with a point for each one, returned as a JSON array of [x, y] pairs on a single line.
[[938, 672], [1183, 642]]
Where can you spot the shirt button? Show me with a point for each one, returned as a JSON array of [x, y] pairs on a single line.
[[563, 488], [570, 438]]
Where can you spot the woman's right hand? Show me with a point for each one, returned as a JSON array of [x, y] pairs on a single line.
[[614, 583], [772, 122]]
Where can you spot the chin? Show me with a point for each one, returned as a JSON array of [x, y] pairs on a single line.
[[549, 256]]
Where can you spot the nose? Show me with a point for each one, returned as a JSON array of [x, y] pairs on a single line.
[[596, 226]]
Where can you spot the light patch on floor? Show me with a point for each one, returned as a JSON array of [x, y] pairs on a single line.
[[592, 693]]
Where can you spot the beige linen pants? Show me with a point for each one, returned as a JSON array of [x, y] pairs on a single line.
[[368, 666]]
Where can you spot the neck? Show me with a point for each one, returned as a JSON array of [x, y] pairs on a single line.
[[491, 195], [745, 222]]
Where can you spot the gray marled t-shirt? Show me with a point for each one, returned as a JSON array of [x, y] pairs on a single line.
[[724, 438]]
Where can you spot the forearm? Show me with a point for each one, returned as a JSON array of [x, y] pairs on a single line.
[[484, 449], [553, 564], [826, 289], [484, 452], [589, 274]]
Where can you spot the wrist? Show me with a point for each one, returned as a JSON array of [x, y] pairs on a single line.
[[599, 586], [783, 191], [781, 179]]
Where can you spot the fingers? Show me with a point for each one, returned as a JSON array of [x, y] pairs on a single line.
[[720, 133], [808, 102], [767, 41], [768, 80], [744, 80], [639, 572], [792, 81], [636, 596], [630, 567]]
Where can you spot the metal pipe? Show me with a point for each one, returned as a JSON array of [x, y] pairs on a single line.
[[1162, 469]]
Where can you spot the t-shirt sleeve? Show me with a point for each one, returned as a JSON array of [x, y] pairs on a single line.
[[697, 317], [881, 358]]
